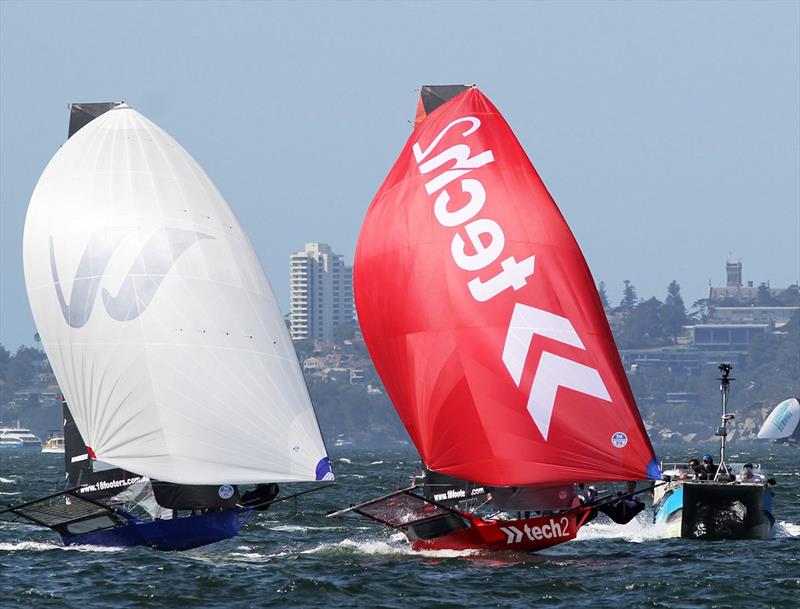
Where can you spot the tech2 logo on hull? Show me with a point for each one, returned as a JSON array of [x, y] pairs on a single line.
[[154, 261], [553, 529]]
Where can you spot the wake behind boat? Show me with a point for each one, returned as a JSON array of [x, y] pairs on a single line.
[[167, 343], [712, 502], [486, 328]]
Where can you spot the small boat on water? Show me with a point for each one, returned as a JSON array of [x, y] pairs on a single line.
[[54, 444], [18, 438], [182, 388], [725, 501], [504, 373]]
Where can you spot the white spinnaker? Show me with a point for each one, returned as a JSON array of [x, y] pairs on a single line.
[[782, 421], [161, 327]]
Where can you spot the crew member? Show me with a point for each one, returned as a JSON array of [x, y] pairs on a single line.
[[261, 496], [694, 464], [707, 469], [586, 494], [747, 474]]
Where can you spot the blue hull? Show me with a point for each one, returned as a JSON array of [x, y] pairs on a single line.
[[182, 533]]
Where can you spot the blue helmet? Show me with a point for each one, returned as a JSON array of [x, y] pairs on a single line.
[[707, 458]]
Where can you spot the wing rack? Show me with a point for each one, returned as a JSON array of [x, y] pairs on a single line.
[[400, 509], [67, 513]]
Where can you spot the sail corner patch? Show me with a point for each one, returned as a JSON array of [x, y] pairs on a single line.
[[324, 470], [619, 439]]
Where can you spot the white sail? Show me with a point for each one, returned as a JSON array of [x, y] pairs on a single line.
[[158, 320], [782, 421]]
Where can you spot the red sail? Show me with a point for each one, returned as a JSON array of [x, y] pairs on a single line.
[[483, 319]]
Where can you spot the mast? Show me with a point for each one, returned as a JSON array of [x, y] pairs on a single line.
[[722, 430]]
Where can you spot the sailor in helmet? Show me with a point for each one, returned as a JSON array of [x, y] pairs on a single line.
[[587, 495]]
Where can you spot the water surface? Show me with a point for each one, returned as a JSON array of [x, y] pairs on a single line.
[[292, 556]]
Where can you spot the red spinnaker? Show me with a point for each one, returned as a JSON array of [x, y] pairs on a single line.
[[483, 319]]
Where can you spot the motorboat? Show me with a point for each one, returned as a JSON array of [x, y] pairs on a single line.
[[731, 501], [54, 444]]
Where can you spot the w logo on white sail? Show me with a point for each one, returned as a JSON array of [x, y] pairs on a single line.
[[553, 371], [151, 265]]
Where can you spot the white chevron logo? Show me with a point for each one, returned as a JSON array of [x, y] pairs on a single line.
[[553, 371], [514, 534]]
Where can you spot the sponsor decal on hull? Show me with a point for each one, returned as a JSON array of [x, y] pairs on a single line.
[[553, 529]]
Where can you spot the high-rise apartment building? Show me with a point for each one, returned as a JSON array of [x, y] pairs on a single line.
[[321, 292]]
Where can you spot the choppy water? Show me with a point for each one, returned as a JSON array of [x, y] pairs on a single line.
[[288, 558]]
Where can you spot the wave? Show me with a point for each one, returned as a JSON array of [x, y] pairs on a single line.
[[636, 531], [9, 493], [642, 529], [7, 480], [248, 556], [36, 546], [296, 528], [376, 463], [787, 529], [397, 545]]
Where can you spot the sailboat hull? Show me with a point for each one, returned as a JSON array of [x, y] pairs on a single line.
[[182, 533], [518, 535], [716, 510]]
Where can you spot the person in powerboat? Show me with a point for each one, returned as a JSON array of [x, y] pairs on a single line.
[[748, 475], [707, 469], [691, 471]]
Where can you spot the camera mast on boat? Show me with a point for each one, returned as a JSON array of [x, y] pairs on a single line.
[[722, 431]]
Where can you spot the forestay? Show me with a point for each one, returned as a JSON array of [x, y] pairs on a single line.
[[482, 317], [157, 318]]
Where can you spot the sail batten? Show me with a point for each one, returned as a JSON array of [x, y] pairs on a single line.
[[158, 320], [481, 314]]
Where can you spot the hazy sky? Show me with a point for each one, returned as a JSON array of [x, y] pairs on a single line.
[[667, 133]]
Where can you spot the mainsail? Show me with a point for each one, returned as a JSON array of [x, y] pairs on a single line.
[[482, 317], [161, 327]]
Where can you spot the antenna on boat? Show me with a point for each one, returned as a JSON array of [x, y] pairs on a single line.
[[722, 430]]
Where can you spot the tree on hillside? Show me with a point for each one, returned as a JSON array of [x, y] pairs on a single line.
[[673, 312], [22, 367], [304, 348], [601, 291], [790, 297], [700, 310], [764, 297], [629, 298], [344, 331], [643, 326], [5, 359]]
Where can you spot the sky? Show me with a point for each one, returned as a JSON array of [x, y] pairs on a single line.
[[667, 133]]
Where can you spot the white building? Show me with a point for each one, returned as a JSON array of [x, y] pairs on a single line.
[[321, 292]]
